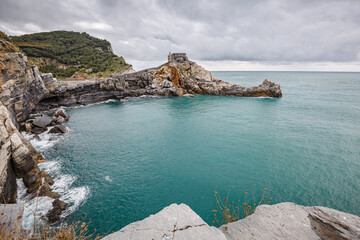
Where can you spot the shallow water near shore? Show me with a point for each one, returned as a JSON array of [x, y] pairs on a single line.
[[123, 161]]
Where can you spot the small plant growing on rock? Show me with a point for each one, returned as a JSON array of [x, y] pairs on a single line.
[[228, 211]]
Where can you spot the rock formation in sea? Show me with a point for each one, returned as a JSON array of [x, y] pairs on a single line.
[[177, 77], [280, 221]]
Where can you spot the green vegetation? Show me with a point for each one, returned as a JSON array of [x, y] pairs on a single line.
[[228, 211], [3, 35], [78, 51]]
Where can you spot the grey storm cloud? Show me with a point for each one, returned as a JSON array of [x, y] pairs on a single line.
[[146, 30]]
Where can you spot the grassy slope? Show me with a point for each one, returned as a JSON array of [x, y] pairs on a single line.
[[79, 51]]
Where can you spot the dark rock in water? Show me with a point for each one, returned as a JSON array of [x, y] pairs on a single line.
[[59, 129], [45, 190], [42, 121], [28, 127], [48, 178], [38, 130], [62, 113], [37, 138], [54, 214]]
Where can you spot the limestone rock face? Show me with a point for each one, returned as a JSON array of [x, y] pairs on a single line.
[[192, 78], [15, 157], [332, 224], [20, 82], [291, 221], [17, 160], [173, 222]]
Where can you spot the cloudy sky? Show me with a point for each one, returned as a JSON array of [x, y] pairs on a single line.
[[221, 35]]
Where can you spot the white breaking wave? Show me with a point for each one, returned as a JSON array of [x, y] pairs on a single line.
[[39, 205], [47, 140], [63, 184], [107, 178]]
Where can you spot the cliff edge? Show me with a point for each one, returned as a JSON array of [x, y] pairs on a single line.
[[280, 221]]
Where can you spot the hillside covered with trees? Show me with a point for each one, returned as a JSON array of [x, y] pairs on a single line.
[[69, 52]]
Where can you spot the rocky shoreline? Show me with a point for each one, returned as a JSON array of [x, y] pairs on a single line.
[[24, 90]]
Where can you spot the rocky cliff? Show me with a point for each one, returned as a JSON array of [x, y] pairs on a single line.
[[22, 88], [280, 221], [20, 82]]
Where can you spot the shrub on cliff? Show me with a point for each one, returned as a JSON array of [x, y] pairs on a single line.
[[76, 50], [3, 35], [228, 211]]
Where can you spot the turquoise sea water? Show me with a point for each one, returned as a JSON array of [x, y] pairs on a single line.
[[123, 161]]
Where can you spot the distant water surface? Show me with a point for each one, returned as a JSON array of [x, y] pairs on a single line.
[[123, 161]]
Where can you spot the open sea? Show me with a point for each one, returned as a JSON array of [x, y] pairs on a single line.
[[125, 160]]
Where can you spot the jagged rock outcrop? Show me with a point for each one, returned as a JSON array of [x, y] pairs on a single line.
[[115, 86], [280, 221], [174, 222], [18, 159], [22, 88], [20, 82]]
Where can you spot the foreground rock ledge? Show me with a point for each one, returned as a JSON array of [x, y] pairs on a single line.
[[280, 221], [173, 222]]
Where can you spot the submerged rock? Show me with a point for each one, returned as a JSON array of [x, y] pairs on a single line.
[[54, 215]]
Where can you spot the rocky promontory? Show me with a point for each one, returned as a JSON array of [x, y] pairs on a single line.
[[177, 77]]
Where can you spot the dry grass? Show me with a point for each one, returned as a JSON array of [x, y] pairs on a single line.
[[228, 211]]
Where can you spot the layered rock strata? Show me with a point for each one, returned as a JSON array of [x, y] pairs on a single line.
[[21, 89], [20, 83]]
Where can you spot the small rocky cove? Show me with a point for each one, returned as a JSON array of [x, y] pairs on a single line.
[[33, 102]]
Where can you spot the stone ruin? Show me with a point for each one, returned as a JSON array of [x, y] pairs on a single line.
[[177, 57]]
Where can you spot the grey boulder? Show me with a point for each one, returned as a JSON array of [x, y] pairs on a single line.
[[59, 129], [42, 121]]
